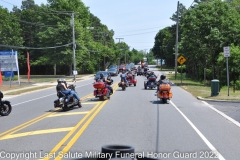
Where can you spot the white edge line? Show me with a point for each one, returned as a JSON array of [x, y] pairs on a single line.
[[44, 96], [219, 156], [222, 114]]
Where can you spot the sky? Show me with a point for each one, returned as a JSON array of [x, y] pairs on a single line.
[[136, 22]]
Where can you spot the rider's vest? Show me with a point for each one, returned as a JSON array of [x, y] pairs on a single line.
[[123, 75], [60, 87]]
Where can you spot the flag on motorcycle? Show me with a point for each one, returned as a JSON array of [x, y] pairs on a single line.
[[28, 65]]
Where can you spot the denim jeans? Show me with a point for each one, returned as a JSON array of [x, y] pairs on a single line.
[[69, 93]]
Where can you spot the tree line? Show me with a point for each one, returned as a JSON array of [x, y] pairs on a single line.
[[46, 32], [204, 29]]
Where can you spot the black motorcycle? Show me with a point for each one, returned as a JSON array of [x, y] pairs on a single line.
[[63, 101], [5, 106]]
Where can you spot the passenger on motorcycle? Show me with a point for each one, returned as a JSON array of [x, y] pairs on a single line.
[[124, 77], [162, 80], [108, 81], [62, 86], [151, 74]]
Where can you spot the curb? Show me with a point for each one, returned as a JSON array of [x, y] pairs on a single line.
[[214, 100], [36, 85]]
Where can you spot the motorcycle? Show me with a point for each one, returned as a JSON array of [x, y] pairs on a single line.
[[122, 84], [5, 106], [64, 103], [145, 70], [131, 80], [164, 92], [151, 82], [100, 90]]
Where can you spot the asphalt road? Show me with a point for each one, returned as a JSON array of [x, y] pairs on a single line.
[[185, 128]]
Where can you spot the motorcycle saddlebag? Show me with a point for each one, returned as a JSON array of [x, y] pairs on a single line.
[[152, 78], [165, 87], [99, 85], [56, 103], [170, 94]]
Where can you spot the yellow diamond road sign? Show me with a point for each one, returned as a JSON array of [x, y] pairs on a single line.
[[181, 59]]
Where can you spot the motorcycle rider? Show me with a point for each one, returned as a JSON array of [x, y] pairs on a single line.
[[108, 81], [62, 86], [162, 80], [123, 77], [152, 74]]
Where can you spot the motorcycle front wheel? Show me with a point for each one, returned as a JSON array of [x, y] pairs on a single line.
[[6, 109], [79, 105]]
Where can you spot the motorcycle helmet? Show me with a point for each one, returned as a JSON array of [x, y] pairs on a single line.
[[59, 80], [162, 77], [101, 75]]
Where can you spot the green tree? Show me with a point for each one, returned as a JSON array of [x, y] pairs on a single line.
[[233, 63], [206, 28]]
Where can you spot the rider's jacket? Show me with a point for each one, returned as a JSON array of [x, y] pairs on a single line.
[[164, 81], [123, 75], [102, 79], [60, 87]]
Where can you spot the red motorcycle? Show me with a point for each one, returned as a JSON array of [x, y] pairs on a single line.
[[101, 91], [131, 80]]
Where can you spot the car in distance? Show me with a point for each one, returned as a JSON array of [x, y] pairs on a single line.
[[113, 71], [122, 68]]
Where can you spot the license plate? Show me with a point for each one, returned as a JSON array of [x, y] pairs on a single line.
[[99, 89], [164, 91]]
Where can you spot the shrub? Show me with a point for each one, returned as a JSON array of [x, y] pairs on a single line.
[[182, 69]]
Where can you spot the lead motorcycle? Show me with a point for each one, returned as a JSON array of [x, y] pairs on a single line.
[[164, 92], [67, 102], [5, 106]]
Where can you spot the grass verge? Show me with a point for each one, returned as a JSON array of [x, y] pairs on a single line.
[[27, 90], [197, 88]]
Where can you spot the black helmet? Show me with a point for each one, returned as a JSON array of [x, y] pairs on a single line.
[[162, 77], [101, 75]]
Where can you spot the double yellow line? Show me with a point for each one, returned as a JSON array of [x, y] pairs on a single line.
[[93, 112], [31, 122]]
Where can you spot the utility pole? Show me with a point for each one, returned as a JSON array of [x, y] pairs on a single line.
[[125, 52], [176, 46], [74, 47], [104, 63], [119, 39]]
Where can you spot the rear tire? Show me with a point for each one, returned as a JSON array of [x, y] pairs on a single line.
[[101, 98], [164, 100], [6, 109]]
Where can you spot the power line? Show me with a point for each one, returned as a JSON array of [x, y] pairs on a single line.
[[138, 33], [141, 29], [19, 47], [36, 24]]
